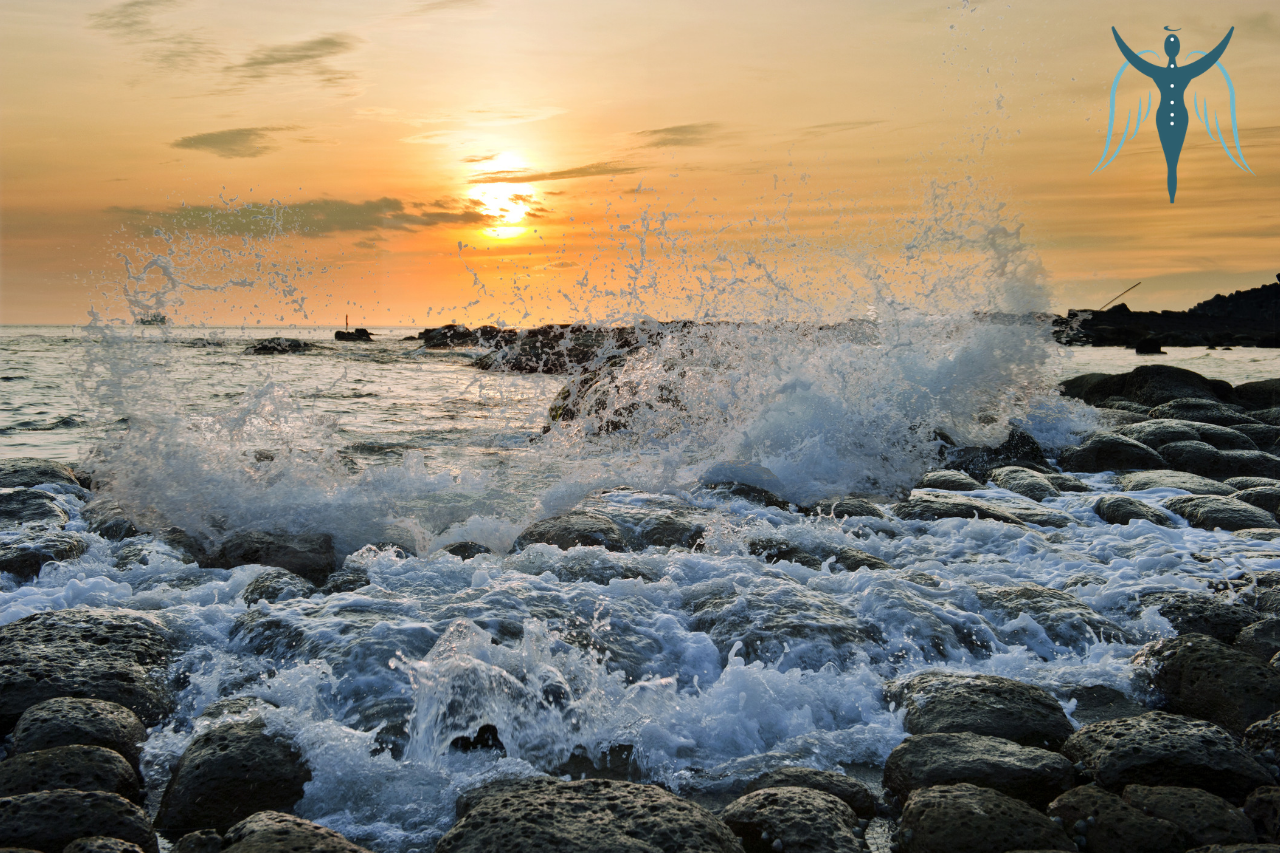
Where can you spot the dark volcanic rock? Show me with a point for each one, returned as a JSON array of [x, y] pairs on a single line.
[[466, 550], [276, 832], [1025, 482], [572, 529], [1263, 394], [346, 579], [852, 792], [356, 335], [204, 841], [1033, 775], [1201, 613], [982, 704], [85, 768], [849, 506], [1165, 749], [793, 819], [25, 472], [1166, 479], [1201, 411], [25, 556], [277, 585], [27, 506], [951, 481], [1109, 451], [1107, 824], [101, 844], [1095, 703], [1202, 817], [929, 507], [229, 772], [277, 346], [1263, 808], [1202, 677], [1157, 433], [558, 348], [84, 653], [588, 816], [1067, 483], [1197, 457], [1264, 497], [1211, 511], [1120, 509], [1264, 734], [1252, 482], [1264, 436], [1019, 449], [449, 335], [1261, 639], [91, 722], [1064, 619], [309, 556], [969, 819], [108, 520], [1150, 384], [50, 820]]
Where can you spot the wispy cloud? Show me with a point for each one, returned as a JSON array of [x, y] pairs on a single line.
[[479, 158], [235, 143], [433, 6], [815, 130], [524, 176], [681, 135], [309, 57], [135, 22]]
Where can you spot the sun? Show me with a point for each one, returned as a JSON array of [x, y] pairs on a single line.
[[506, 203]]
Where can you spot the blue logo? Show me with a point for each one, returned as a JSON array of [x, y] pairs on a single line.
[[1171, 81]]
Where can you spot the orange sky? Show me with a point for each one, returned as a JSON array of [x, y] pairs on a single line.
[[532, 133]]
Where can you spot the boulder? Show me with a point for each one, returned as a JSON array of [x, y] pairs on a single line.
[[1120, 509], [277, 346], [573, 529], [1020, 449], [204, 841], [28, 506], [1097, 702], [1060, 618], [793, 819], [85, 653], [1033, 775], [1148, 346], [661, 525], [1210, 512], [1269, 415], [1166, 479], [346, 579], [849, 506], [1263, 497], [1025, 482], [1237, 848], [1150, 385], [1261, 639], [229, 772], [1197, 457], [105, 518], [276, 832], [1165, 749], [930, 507], [1201, 411], [310, 556], [587, 816], [1262, 394], [1108, 451], [85, 768], [91, 722], [277, 585], [968, 819], [850, 791], [1202, 817], [23, 472], [1101, 822], [466, 550], [1201, 613], [982, 704], [1264, 436], [1157, 433], [1242, 483], [50, 820], [1067, 483], [356, 335], [950, 481], [1202, 677], [1263, 735], [740, 473], [26, 556], [448, 336], [1263, 808], [101, 844]]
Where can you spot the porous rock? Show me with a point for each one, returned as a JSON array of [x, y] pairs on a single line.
[[1060, 618], [1033, 775], [1107, 824], [85, 768], [1263, 497], [1097, 702], [24, 472], [270, 831], [1157, 433], [277, 585], [1169, 479], [929, 507], [50, 820], [1261, 639], [1202, 677], [1201, 613], [981, 704], [203, 841], [1158, 748], [1121, 509], [1197, 457], [849, 506], [466, 550], [1203, 817], [1149, 384], [1252, 482], [581, 527], [92, 722], [950, 481], [1025, 482], [1263, 808], [1067, 483], [84, 653], [309, 556], [968, 819], [1019, 448], [1210, 512], [108, 520], [229, 772], [793, 819], [26, 555], [1263, 735], [28, 506], [587, 816], [1201, 411], [850, 791], [101, 844]]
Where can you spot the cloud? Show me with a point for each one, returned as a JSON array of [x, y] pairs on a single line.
[[302, 57], [680, 135], [235, 143], [369, 242], [479, 158], [135, 22], [445, 5], [562, 265], [524, 176], [308, 218], [816, 130]]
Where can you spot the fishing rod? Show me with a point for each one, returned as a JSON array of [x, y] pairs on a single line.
[[1117, 296]]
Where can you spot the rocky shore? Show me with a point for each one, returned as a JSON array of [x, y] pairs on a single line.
[[1187, 761]]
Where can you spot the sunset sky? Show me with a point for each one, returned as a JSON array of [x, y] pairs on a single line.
[[419, 161]]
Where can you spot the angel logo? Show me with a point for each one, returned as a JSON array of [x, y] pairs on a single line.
[[1171, 83]]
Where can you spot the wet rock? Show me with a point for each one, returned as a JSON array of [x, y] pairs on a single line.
[[849, 506], [1202, 677], [1148, 346], [24, 557], [850, 791], [229, 772], [1067, 483], [1263, 735], [851, 559], [1264, 436], [588, 816], [1263, 808], [1242, 483], [1261, 639], [101, 844], [573, 529], [1033, 775], [1166, 479], [1264, 497], [85, 768], [1120, 509], [1202, 817], [346, 579], [1150, 385], [310, 556], [793, 819], [981, 704], [277, 346], [271, 831], [1260, 534], [1165, 749], [929, 507], [89, 722], [1210, 512], [28, 506], [1157, 433], [968, 819], [661, 524], [466, 550], [1025, 482], [24, 472], [1060, 618], [1095, 703], [600, 568], [277, 585], [1038, 515], [1201, 613], [1107, 824], [108, 520], [204, 841], [1197, 457], [84, 653], [741, 473], [357, 335], [50, 820], [1109, 451], [448, 336], [1201, 411], [1019, 449], [951, 481]]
